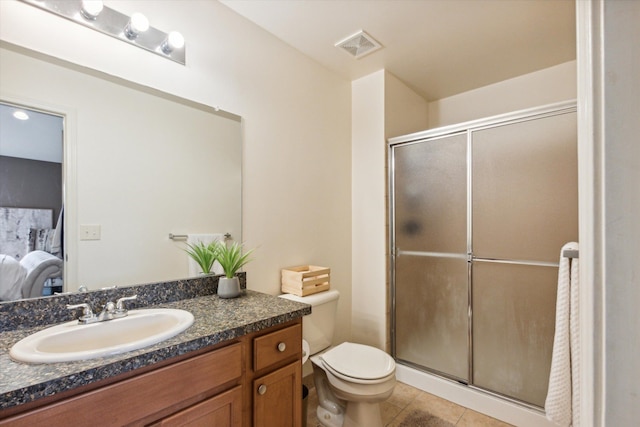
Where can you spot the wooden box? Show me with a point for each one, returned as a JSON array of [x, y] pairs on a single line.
[[305, 280]]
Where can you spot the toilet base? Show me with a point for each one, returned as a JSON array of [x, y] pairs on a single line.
[[330, 410], [358, 414], [361, 414], [345, 404], [328, 418]]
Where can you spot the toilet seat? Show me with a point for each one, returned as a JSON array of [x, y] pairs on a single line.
[[359, 363]]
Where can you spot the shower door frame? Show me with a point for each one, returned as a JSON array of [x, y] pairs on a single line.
[[469, 128]]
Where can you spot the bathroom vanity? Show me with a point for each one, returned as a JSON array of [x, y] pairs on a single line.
[[239, 364]]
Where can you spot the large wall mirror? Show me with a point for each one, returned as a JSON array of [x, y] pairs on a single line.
[[136, 166]]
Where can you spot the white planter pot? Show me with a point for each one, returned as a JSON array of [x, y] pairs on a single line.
[[228, 287]]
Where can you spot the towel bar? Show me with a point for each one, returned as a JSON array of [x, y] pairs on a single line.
[[172, 236], [570, 253]]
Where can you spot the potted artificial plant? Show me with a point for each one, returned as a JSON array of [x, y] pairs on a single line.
[[203, 255], [231, 259]]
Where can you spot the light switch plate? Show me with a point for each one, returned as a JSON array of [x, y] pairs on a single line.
[[89, 232]]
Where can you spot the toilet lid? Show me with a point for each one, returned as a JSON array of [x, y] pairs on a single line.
[[359, 361]]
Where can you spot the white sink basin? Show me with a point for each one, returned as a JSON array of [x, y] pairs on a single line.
[[72, 341]]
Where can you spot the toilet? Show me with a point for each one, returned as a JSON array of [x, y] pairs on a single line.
[[351, 379]]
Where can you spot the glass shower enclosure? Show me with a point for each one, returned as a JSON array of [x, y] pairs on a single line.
[[478, 215]]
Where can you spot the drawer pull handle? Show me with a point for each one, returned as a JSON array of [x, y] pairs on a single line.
[[282, 347], [262, 389]]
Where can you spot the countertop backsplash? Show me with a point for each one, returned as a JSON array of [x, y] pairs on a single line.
[[29, 313]]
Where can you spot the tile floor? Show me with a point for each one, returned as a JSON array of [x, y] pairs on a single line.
[[411, 407]]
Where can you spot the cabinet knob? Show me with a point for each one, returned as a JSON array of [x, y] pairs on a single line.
[[282, 347], [262, 389]]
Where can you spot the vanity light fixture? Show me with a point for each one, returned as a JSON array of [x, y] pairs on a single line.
[[134, 30]]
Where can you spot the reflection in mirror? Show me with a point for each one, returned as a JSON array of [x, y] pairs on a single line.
[[31, 235], [138, 165]]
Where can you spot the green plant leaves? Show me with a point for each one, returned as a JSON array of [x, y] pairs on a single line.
[[231, 258], [204, 255]]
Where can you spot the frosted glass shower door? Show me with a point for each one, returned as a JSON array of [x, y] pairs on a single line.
[[525, 208], [478, 215], [431, 281], [525, 189], [513, 326]]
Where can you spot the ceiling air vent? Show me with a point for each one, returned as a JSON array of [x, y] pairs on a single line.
[[359, 44]]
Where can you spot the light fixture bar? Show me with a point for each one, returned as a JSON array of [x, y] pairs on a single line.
[[114, 24]]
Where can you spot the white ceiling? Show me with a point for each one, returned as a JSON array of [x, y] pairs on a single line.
[[437, 47], [38, 138]]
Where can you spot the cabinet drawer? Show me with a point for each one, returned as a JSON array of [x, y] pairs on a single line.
[[277, 346]]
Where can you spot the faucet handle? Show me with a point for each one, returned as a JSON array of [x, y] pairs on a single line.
[[120, 303], [87, 312], [109, 307]]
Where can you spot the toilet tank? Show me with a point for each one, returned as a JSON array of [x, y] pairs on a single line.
[[318, 327]]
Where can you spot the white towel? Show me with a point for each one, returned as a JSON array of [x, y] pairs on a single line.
[[563, 378], [192, 239], [574, 332], [56, 239], [12, 275]]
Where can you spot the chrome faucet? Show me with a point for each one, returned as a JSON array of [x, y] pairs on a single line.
[[110, 311]]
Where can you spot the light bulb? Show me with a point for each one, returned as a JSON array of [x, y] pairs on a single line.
[[91, 8], [174, 40], [20, 115], [138, 23]]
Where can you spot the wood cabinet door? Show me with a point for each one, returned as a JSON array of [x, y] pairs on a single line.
[[223, 410], [277, 398], [148, 396]]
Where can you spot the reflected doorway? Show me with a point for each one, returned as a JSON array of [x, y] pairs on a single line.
[[31, 202]]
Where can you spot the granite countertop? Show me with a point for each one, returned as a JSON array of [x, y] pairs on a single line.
[[216, 320]]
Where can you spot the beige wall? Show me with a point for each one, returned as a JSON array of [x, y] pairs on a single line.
[[381, 106], [368, 216], [547, 86], [296, 122], [404, 110]]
